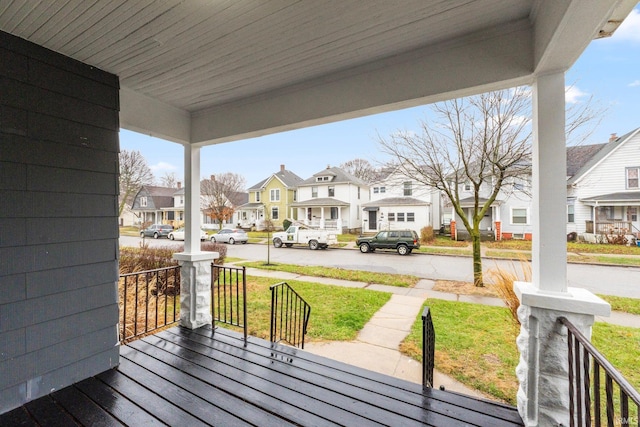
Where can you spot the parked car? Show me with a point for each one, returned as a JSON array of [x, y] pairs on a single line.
[[403, 241], [179, 234], [230, 235], [157, 230]]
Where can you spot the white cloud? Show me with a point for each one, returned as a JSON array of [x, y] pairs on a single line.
[[634, 83], [629, 30], [573, 94], [162, 167]]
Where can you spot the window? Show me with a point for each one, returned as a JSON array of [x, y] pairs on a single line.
[[358, 193], [295, 195], [332, 191], [407, 188], [632, 177], [411, 217], [467, 186], [334, 213], [571, 217], [392, 216], [143, 202], [376, 190], [257, 196], [400, 216], [632, 214], [519, 216], [274, 212], [383, 189], [314, 191], [275, 195]]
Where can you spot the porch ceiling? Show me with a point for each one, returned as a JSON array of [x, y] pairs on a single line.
[[207, 72]]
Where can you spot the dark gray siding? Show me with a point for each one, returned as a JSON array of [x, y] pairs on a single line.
[[58, 221]]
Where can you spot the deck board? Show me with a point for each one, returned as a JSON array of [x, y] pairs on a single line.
[[202, 377]]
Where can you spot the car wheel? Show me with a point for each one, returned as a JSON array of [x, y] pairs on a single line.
[[232, 241], [156, 235], [171, 237], [403, 249], [288, 244], [213, 240], [142, 235], [313, 245], [244, 242], [364, 248], [277, 242]]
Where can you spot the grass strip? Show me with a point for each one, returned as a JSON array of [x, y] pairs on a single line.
[[399, 280], [624, 304]]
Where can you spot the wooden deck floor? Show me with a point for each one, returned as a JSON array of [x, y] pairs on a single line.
[[195, 378]]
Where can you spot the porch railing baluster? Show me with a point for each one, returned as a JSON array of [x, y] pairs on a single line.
[[226, 296], [289, 315], [428, 348]]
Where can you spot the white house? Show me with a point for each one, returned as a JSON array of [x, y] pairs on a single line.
[[399, 202], [603, 187], [332, 198]]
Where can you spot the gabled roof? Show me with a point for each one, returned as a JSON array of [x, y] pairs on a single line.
[[581, 159], [338, 175], [288, 179], [162, 196]]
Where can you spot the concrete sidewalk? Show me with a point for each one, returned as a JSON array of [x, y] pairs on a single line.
[[377, 345]]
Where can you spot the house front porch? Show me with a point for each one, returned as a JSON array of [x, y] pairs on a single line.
[[198, 377]]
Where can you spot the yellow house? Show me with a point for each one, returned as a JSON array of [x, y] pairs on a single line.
[[271, 199]]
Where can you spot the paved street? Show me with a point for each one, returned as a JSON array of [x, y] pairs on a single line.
[[609, 280]]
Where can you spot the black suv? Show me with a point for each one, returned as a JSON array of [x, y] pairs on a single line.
[[403, 241]]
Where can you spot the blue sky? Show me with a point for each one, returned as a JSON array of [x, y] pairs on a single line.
[[608, 70]]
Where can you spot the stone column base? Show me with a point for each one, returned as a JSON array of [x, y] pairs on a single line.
[[195, 288], [543, 395]]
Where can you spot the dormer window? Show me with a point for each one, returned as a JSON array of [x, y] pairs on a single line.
[[322, 178], [143, 202]]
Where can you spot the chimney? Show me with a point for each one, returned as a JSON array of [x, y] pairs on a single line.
[[613, 137], [281, 168], [179, 185], [213, 177]]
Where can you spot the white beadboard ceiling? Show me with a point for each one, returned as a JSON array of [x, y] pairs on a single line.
[[204, 65]]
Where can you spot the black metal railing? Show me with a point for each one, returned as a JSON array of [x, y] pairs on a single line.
[[289, 315], [428, 348], [148, 300], [589, 403], [229, 296]]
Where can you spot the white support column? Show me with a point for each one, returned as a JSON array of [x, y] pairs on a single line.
[[543, 368], [195, 271]]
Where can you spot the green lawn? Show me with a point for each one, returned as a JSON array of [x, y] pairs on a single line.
[[476, 345]]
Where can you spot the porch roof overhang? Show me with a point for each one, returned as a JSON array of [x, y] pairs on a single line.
[[250, 206], [203, 73], [323, 202], [614, 199]]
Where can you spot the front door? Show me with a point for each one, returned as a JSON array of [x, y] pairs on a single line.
[[373, 220]]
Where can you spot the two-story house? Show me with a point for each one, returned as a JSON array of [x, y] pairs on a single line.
[[159, 205], [332, 198], [271, 198], [603, 187], [400, 202]]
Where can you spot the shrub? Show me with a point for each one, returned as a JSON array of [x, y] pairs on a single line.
[[427, 235], [146, 258], [286, 223], [502, 282]]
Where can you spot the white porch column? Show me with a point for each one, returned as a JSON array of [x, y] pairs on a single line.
[[195, 271], [322, 217], [543, 395]]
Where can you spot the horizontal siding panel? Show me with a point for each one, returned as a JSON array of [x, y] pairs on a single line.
[[45, 127], [13, 176], [13, 232], [52, 205], [23, 259], [19, 149], [12, 344], [49, 359], [57, 105], [32, 50], [13, 288], [52, 78], [58, 230], [12, 121], [44, 309], [15, 93], [41, 283], [58, 330], [14, 65], [42, 178], [12, 397]]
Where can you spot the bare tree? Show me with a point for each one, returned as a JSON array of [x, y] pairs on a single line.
[[481, 142], [220, 195], [134, 173], [169, 179], [360, 168]]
